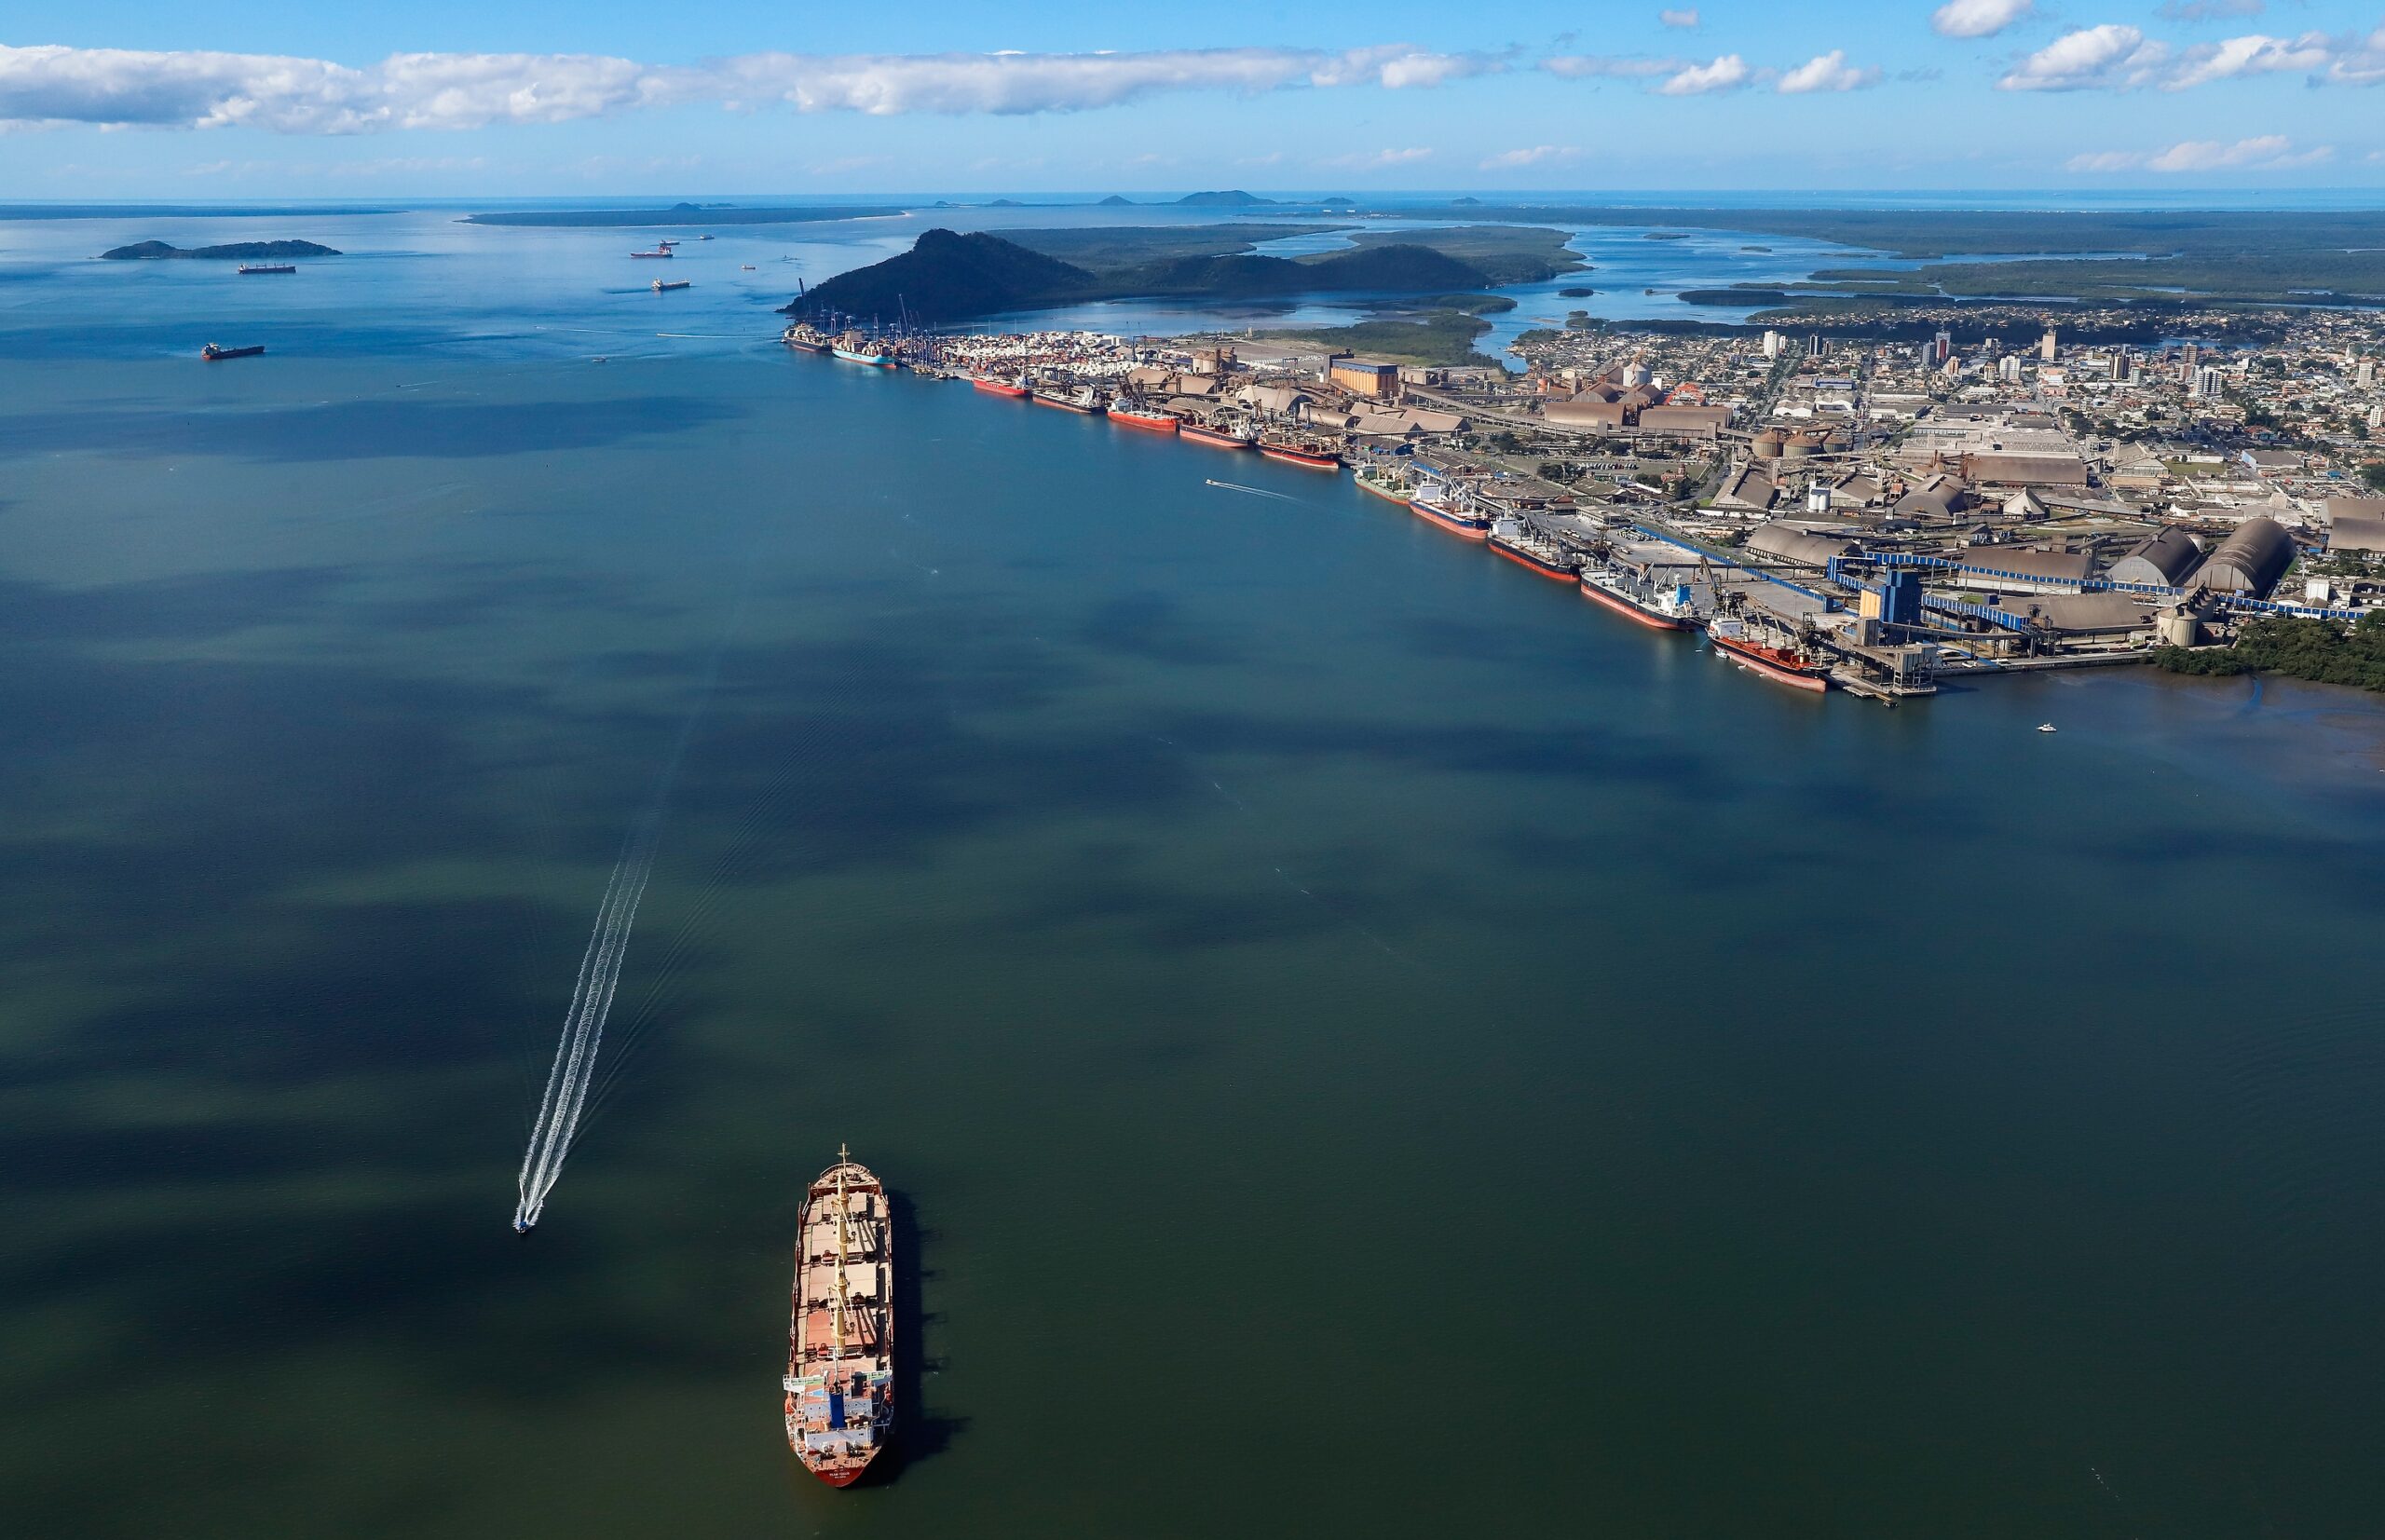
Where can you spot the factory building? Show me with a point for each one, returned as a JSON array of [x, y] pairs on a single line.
[[1994, 469], [1788, 545], [2356, 524], [2162, 560], [2016, 569], [2249, 562], [1369, 377]]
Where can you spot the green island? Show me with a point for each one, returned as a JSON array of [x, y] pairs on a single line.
[[245, 251], [2264, 257], [679, 213], [947, 276], [2331, 652], [1439, 330]]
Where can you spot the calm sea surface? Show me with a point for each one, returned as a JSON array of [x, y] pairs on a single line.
[[1369, 1044]]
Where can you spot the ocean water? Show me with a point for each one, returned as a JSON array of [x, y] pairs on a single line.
[[1367, 1042]]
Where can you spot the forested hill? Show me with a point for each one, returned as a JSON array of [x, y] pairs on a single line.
[[947, 277], [245, 251]]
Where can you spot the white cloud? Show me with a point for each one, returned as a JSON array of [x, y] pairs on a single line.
[[1378, 160], [1727, 73], [1829, 71], [1509, 159], [2249, 55], [118, 87], [2271, 151], [2265, 152], [2104, 56], [1979, 18], [1593, 66], [1685, 19], [2361, 63]]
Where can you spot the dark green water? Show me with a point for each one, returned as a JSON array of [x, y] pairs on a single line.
[[1371, 1045]]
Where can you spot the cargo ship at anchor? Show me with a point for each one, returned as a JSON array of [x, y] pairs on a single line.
[[1659, 610], [840, 1379], [1510, 538], [663, 286], [1781, 665], [214, 354], [248, 269]]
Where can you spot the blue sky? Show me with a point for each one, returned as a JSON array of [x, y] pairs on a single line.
[[439, 97]]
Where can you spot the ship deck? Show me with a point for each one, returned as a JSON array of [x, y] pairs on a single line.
[[839, 1379]]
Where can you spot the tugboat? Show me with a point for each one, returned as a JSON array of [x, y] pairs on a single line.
[[1781, 665], [214, 354], [840, 1379]]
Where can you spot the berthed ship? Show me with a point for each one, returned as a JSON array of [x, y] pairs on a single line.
[[994, 385], [1151, 419], [1781, 665], [1535, 553], [1659, 608], [1312, 453], [841, 1345], [1216, 437], [1463, 523]]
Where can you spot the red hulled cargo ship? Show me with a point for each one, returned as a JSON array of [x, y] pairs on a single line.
[[1459, 521], [1217, 438], [1144, 417], [1534, 552], [994, 385], [841, 1345], [1781, 665], [1312, 454]]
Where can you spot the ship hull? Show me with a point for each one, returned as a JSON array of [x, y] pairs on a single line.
[[1462, 528], [1384, 492], [997, 387], [1081, 409], [1147, 422], [1629, 611], [871, 360], [839, 1384], [1770, 668], [1532, 563], [1305, 459], [1211, 437]]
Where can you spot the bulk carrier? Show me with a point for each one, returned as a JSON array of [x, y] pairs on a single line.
[[841, 1345]]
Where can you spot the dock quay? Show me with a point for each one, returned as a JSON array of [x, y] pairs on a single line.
[[1828, 556]]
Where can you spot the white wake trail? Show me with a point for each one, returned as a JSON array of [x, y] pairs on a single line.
[[591, 1001]]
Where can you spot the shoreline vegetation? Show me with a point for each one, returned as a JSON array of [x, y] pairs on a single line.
[[244, 251], [950, 276], [2327, 652]]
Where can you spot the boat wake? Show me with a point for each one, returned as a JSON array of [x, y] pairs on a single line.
[[583, 1029], [1251, 491]]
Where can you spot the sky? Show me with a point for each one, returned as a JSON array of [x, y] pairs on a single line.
[[111, 100]]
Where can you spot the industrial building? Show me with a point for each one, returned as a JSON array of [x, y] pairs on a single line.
[[2249, 562], [1369, 377], [2164, 559]]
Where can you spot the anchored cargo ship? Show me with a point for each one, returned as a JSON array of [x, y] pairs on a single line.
[[1659, 608], [662, 251], [662, 287], [1781, 665], [841, 1345], [248, 267], [1512, 540], [214, 354], [1126, 416]]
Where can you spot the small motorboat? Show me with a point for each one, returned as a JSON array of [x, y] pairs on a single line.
[[2048, 727]]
